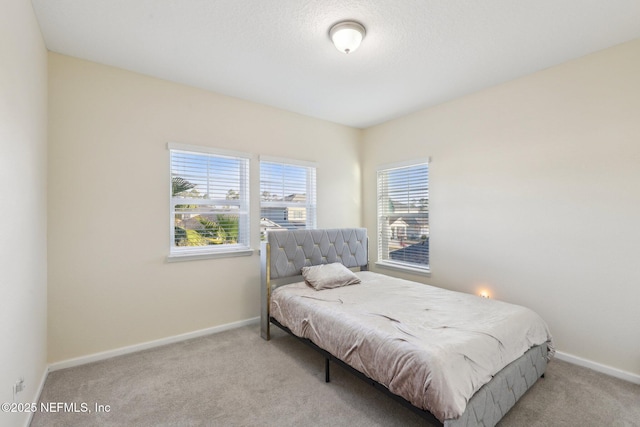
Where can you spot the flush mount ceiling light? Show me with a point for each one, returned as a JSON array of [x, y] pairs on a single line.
[[347, 35]]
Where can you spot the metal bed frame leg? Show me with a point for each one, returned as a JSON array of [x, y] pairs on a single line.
[[326, 370], [265, 290]]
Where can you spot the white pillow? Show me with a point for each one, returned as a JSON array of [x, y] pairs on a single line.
[[328, 276]]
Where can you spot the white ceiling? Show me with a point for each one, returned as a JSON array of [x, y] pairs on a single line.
[[416, 54]]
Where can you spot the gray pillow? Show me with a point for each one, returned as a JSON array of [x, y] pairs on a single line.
[[328, 276]]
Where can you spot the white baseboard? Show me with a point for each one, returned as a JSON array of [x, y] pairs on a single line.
[[614, 372], [83, 360], [36, 397]]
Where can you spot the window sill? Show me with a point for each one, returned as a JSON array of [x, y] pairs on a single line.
[[209, 255], [403, 268]]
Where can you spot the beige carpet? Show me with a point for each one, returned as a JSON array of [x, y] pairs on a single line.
[[236, 379]]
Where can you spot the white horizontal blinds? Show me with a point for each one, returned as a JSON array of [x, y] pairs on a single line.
[[403, 215], [209, 202], [287, 196]]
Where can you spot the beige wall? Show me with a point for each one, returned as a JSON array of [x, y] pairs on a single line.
[[109, 283], [535, 194], [23, 220]]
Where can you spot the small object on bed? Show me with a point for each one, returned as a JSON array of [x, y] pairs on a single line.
[[329, 276]]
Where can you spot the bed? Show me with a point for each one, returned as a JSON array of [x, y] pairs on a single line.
[[454, 358]]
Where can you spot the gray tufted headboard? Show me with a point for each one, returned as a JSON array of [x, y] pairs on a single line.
[[286, 251]]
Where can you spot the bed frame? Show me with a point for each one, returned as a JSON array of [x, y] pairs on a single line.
[[284, 254]]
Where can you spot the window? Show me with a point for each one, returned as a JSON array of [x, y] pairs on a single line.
[[287, 195], [403, 215], [209, 202]]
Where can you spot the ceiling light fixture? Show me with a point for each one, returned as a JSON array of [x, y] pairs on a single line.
[[347, 36]]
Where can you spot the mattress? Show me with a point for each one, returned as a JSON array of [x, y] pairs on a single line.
[[435, 348]]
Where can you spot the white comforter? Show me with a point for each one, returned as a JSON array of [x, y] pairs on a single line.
[[432, 346]]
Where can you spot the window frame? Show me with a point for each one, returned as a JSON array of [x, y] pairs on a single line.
[[242, 248], [380, 213], [310, 205]]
